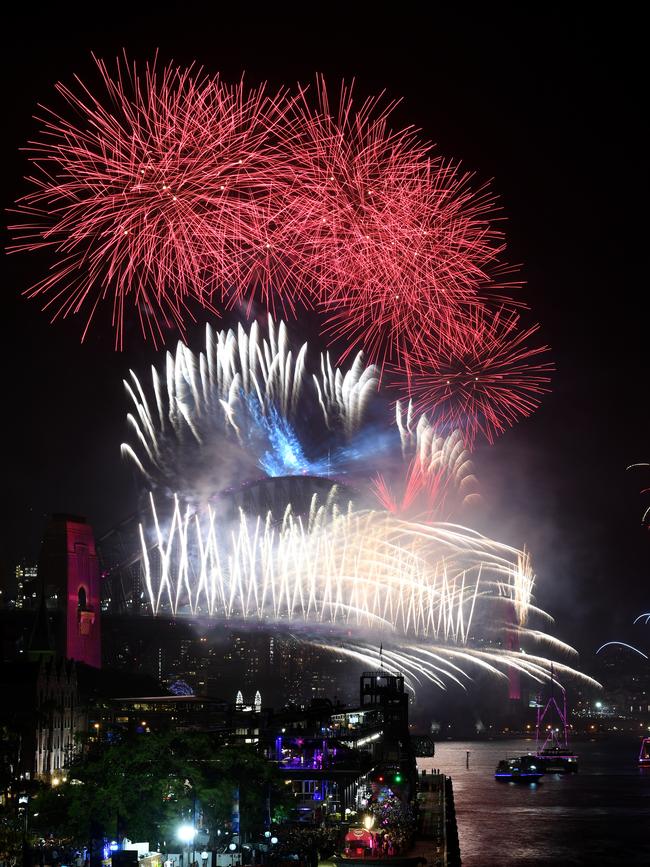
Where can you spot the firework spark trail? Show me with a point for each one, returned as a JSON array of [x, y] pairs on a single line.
[[439, 480], [538, 637], [183, 191], [399, 238], [523, 580], [243, 392], [483, 381], [144, 199], [439, 664], [366, 570], [645, 518], [344, 398], [339, 567], [622, 644]]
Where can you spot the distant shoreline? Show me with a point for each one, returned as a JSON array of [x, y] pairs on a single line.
[[528, 736]]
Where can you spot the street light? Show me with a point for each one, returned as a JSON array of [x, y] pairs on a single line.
[[186, 834], [368, 822], [23, 808]]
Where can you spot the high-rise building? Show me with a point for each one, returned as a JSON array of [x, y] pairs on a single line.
[[217, 659], [26, 585]]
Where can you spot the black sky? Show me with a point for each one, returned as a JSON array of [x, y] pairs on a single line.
[[550, 105]]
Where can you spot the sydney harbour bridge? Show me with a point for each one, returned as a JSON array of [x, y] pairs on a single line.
[[120, 549]]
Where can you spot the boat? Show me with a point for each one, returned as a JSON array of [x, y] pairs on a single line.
[[556, 760], [552, 735], [524, 769], [644, 753]]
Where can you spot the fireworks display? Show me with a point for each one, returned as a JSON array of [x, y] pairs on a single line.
[[286, 487], [318, 570], [482, 381], [176, 192], [398, 237], [236, 412], [645, 519], [147, 199], [370, 557], [427, 587], [247, 407], [439, 479]]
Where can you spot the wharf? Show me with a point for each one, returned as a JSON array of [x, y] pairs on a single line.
[[436, 842], [437, 835]]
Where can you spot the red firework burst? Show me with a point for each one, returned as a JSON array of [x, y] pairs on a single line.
[[187, 190], [423, 493], [144, 201], [398, 240], [483, 380], [438, 481]]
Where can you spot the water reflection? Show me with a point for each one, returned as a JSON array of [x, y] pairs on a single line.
[[598, 816]]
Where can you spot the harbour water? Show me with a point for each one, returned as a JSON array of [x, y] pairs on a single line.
[[600, 816]]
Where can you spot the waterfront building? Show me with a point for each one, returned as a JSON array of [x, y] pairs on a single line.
[[164, 712], [45, 715]]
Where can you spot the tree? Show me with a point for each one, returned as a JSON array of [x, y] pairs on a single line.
[[144, 784], [11, 836]]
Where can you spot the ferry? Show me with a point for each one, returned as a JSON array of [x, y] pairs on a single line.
[[524, 769], [644, 753], [556, 760]]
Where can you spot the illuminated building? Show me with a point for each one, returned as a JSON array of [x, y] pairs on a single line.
[[45, 707], [69, 574], [26, 585]]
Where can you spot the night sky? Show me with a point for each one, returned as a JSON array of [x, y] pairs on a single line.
[[550, 106]]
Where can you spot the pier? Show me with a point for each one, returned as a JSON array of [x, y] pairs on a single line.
[[437, 834]]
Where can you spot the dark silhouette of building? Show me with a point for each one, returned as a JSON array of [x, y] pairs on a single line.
[[385, 692]]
